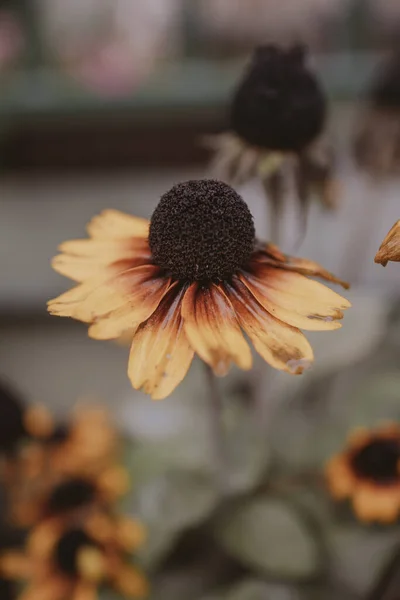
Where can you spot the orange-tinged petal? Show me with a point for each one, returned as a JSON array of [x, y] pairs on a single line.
[[84, 259], [142, 303], [16, 565], [85, 591], [390, 247], [161, 355], [51, 589], [130, 582], [133, 292], [295, 299], [212, 328], [373, 504], [113, 224], [340, 479], [272, 256], [284, 347]]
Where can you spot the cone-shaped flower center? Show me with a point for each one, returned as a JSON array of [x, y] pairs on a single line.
[[385, 91], [201, 230], [279, 104], [67, 550], [378, 460], [69, 495]]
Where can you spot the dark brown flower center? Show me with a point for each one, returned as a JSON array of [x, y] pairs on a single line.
[[70, 495], [279, 104], [201, 230], [378, 460], [67, 550]]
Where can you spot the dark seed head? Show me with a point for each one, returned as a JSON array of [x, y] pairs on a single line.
[[385, 90], [70, 495], [279, 104], [378, 460], [67, 550], [12, 428], [201, 230]]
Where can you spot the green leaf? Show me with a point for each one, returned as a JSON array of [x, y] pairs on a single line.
[[359, 554], [268, 536], [169, 504]]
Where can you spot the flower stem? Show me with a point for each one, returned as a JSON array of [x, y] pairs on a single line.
[[387, 586], [217, 431]]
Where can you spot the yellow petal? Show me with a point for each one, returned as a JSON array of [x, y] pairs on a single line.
[[85, 259], [282, 346], [131, 293], [295, 299], [113, 224], [212, 328], [161, 355], [52, 589]]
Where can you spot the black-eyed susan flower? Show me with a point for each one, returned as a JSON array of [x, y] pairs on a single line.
[[189, 281], [277, 119], [52, 496], [390, 247], [367, 472], [377, 136], [74, 565]]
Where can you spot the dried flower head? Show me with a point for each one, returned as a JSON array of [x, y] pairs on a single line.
[[377, 136], [277, 118], [390, 247], [367, 472], [187, 282]]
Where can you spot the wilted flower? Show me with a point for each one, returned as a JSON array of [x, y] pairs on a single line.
[[377, 137], [277, 119], [390, 247], [368, 473], [188, 282]]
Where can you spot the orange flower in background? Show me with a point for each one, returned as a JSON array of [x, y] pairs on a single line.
[[390, 247], [368, 473], [73, 565], [189, 281]]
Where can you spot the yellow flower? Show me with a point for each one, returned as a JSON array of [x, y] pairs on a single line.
[[367, 473], [390, 247], [189, 282]]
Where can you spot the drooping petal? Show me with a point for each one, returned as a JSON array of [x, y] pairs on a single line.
[[161, 355], [113, 224], [295, 299], [284, 347], [115, 303], [390, 247], [271, 255], [212, 328], [83, 259]]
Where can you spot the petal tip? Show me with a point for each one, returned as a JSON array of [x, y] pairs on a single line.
[[296, 366]]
